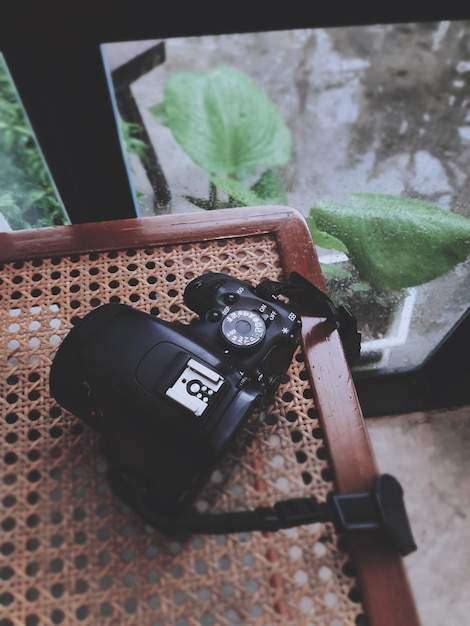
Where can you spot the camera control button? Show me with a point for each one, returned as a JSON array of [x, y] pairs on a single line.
[[230, 298], [214, 315]]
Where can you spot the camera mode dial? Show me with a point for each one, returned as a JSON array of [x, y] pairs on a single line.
[[243, 328]]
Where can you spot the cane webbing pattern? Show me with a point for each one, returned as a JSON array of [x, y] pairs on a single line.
[[71, 552]]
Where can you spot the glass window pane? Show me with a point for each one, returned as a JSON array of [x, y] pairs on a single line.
[[365, 130], [28, 198]]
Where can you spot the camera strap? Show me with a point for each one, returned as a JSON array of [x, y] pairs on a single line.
[[380, 509], [315, 302]]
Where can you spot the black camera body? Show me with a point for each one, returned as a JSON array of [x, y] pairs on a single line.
[[169, 398]]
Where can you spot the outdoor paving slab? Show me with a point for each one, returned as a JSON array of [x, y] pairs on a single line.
[[429, 454]]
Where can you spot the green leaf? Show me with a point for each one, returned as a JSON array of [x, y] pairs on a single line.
[[267, 190], [271, 188], [159, 113], [334, 271], [238, 193], [6, 199], [361, 287], [202, 203], [133, 144], [396, 242], [14, 216], [224, 122], [324, 239]]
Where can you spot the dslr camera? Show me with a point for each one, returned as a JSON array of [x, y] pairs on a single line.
[[168, 398]]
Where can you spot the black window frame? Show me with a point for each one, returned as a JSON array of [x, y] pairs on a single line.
[[53, 52]]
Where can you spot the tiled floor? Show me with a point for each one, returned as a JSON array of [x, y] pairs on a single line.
[[429, 453]]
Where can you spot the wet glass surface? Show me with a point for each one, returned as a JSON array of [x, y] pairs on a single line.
[[379, 109]]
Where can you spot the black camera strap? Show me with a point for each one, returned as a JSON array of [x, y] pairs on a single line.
[[381, 509], [315, 302]]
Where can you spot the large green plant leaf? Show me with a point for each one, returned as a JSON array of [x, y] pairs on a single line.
[[224, 122], [323, 239], [396, 242]]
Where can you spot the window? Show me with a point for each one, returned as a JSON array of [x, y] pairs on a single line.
[[378, 108], [371, 111], [28, 198]]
